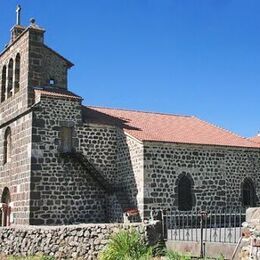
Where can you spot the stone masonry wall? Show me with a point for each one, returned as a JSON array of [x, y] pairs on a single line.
[[130, 168], [66, 242], [99, 143], [15, 174], [62, 190], [217, 173]]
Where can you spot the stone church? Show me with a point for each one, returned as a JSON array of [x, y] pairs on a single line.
[[62, 162]]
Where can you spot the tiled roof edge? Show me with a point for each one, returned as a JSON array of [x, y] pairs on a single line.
[[57, 95], [138, 111], [223, 129]]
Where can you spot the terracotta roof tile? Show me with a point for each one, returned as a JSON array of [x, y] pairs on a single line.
[[148, 126], [55, 92], [255, 139]]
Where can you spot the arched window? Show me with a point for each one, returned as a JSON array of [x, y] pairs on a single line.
[[7, 145], [10, 78], [3, 86], [185, 193], [6, 199], [17, 73], [248, 193]]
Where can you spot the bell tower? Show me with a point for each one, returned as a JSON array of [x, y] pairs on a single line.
[[27, 64]]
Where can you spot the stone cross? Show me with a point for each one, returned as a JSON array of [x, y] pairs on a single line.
[[18, 15]]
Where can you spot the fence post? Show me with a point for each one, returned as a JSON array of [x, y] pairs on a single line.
[[165, 225], [203, 215], [160, 217]]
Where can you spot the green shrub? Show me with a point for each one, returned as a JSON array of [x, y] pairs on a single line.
[[126, 245], [170, 255]]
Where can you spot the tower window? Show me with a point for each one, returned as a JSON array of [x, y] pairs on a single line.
[[66, 139], [17, 73], [7, 145], [10, 78], [185, 193], [3, 87], [52, 82], [248, 193]]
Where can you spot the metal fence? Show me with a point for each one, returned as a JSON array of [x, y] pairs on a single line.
[[217, 226]]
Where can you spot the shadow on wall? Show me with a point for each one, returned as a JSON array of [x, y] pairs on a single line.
[[129, 160]]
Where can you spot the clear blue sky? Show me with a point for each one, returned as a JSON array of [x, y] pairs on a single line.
[[196, 57]]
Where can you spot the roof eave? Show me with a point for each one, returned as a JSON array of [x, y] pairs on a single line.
[[201, 144]]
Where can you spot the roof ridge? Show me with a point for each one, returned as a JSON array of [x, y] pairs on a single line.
[[140, 111], [224, 129]]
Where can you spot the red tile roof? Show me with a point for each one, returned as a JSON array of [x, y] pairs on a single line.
[[148, 126], [255, 139]]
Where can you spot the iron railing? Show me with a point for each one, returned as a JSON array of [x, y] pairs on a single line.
[[216, 226]]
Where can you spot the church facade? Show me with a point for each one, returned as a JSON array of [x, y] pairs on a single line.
[[62, 162]]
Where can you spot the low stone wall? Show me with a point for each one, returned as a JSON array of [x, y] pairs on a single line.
[[82, 241]]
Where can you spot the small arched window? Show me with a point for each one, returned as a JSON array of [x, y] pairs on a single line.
[[17, 73], [3, 84], [6, 199], [10, 78], [248, 193], [7, 145], [185, 193]]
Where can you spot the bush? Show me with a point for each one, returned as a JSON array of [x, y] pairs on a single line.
[[126, 245], [170, 255]]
